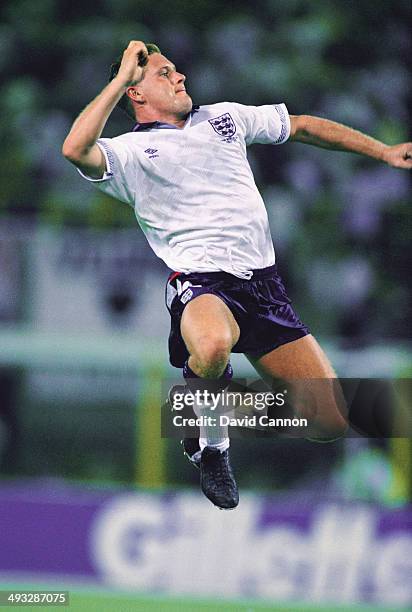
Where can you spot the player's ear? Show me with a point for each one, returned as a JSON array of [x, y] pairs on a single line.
[[135, 94]]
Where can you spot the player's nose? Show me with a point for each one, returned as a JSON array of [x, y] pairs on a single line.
[[180, 78]]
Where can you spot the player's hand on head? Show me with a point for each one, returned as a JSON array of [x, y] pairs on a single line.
[[134, 59], [399, 156]]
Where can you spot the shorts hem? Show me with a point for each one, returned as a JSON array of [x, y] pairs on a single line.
[[272, 347]]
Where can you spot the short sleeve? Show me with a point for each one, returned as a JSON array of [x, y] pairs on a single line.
[[119, 178], [268, 124]]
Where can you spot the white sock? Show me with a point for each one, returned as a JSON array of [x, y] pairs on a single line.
[[222, 446], [214, 436]]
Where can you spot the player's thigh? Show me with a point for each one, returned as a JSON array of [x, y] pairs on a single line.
[[207, 320], [302, 358]]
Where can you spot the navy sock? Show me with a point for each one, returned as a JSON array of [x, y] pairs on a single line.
[[214, 385]]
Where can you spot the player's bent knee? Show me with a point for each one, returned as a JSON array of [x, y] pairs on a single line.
[[211, 356]]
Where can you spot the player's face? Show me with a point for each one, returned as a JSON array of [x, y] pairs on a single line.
[[163, 88]]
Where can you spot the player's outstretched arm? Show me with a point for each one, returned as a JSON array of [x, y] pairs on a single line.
[[80, 145], [335, 136]]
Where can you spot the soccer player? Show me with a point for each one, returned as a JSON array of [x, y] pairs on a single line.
[[184, 170]]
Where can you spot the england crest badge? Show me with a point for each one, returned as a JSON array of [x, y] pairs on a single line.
[[223, 125]]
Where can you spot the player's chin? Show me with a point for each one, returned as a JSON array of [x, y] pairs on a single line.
[[184, 102]]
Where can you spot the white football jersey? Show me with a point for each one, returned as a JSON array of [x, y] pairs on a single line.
[[192, 188]]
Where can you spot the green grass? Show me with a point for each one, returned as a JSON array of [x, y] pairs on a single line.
[[101, 600], [112, 603]]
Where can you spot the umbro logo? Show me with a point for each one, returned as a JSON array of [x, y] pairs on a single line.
[[181, 288], [151, 153]]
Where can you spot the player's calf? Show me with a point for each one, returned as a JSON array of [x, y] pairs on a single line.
[[207, 392]]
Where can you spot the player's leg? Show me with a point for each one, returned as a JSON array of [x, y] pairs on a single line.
[[210, 331], [320, 398]]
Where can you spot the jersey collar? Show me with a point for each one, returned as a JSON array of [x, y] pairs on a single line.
[[140, 127]]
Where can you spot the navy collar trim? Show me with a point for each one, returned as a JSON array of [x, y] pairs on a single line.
[[139, 127]]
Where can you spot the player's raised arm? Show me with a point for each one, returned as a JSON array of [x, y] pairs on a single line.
[[80, 145], [331, 135]]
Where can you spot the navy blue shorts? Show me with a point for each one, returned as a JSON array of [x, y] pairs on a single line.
[[260, 306]]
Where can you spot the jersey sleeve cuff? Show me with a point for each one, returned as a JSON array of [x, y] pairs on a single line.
[[110, 164], [283, 114]]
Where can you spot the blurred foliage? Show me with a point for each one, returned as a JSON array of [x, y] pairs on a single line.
[[338, 237]]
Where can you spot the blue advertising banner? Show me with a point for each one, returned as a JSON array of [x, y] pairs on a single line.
[[176, 543]]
